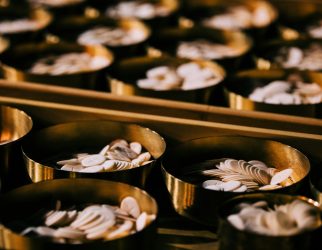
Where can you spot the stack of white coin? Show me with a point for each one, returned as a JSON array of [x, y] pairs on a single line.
[[118, 155], [204, 49], [309, 58], [18, 25], [69, 63], [56, 3], [288, 93], [241, 17], [241, 176], [111, 36], [315, 30], [281, 220], [137, 9], [94, 222], [186, 76]]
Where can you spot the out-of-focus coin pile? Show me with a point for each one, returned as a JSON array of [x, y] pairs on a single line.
[[92, 222], [19, 25], [186, 76], [111, 36], [69, 63], [281, 220], [241, 176], [285, 92]]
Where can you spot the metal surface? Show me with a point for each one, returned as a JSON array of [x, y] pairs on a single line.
[[43, 195], [238, 89], [199, 204], [69, 28], [246, 240], [43, 148], [16, 61], [14, 125], [135, 68]]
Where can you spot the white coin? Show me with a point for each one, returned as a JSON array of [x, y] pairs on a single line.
[[236, 221], [99, 231], [281, 176], [92, 169], [123, 230], [56, 218], [241, 189], [141, 221], [211, 182], [108, 165], [131, 206], [269, 187], [93, 160], [69, 162], [104, 150], [215, 187], [231, 185], [68, 233], [136, 147]]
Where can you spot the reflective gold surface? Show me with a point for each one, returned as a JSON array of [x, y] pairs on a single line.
[[135, 68], [14, 125], [201, 204], [238, 89], [245, 240], [42, 149], [25, 201], [4, 44], [16, 61]]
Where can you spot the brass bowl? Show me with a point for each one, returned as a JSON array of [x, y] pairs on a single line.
[[15, 124], [135, 68], [22, 11], [27, 200], [243, 240], [238, 88], [16, 62], [42, 149], [167, 41], [70, 28], [197, 203]]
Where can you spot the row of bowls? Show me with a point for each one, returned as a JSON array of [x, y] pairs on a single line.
[[188, 199]]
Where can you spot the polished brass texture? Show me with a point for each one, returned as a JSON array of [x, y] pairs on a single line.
[[15, 124], [42, 149], [195, 202], [135, 68], [27, 200], [17, 60], [22, 10], [4, 44], [168, 39], [238, 89], [231, 238], [70, 28]]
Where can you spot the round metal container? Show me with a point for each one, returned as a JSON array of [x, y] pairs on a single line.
[[167, 41], [23, 11], [15, 124], [44, 148], [233, 239], [135, 68], [238, 88], [70, 28], [191, 200], [27, 200], [16, 62]]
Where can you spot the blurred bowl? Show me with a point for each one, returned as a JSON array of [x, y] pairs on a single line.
[[21, 203], [44, 148], [167, 41], [191, 200], [136, 68], [20, 11], [243, 240], [15, 124], [71, 27], [168, 15], [238, 89], [17, 61]]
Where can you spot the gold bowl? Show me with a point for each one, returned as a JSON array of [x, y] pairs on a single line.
[[70, 28], [136, 67], [167, 41], [22, 11], [191, 200], [15, 124], [243, 240], [238, 88], [23, 202], [18, 59], [44, 148]]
